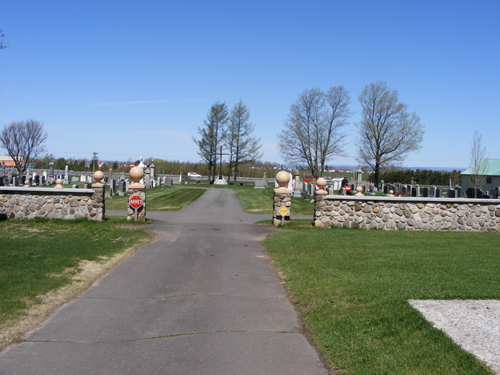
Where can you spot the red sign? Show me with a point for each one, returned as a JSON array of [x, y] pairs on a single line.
[[135, 201]]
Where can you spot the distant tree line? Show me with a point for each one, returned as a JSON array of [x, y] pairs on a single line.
[[420, 176]]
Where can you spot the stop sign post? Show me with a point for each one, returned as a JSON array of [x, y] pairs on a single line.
[[135, 202]]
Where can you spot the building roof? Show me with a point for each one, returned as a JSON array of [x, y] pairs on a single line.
[[492, 168]]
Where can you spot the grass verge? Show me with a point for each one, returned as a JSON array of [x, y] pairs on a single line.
[[46, 263], [260, 201], [352, 287], [160, 199]]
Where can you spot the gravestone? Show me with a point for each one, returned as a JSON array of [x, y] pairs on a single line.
[[43, 180], [451, 193], [493, 193], [51, 169], [66, 176], [438, 193], [82, 178], [259, 185], [15, 181], [75, 179], [425, 192], [458, 193], [2, 180], [432, 191], [112, 186], [36, 180], [414, 192], [470, 192], [386, 189], [122, 188]]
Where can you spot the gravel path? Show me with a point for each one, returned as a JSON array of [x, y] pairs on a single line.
[[472, 324]]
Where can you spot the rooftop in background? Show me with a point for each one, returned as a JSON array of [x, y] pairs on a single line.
[[492, 168]]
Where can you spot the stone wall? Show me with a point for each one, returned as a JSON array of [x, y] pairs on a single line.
[[400, 213], [29, 203]]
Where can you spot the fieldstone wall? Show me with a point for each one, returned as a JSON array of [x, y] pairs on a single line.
[[29, 203], [400, 213]]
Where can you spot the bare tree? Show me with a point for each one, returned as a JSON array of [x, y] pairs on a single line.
[[312, 133], [243, 148], [477, 162], [23, 141], [212, 135], [387, 131]]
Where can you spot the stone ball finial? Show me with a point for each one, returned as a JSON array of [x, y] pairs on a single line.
[[282, 178], [136, 174], [98, 176], [321, 182], [391, 193], [58, 184], [359, 192]]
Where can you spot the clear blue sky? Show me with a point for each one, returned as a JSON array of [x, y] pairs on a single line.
[[129, 78]]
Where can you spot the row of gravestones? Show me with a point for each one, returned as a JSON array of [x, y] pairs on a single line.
[[19, 181], [434, 192], [120, 185], [492, 193]]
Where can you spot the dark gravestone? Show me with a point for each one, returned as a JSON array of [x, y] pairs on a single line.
[[386, 189], [414, 192], [438, 193], [425, 192], [451, 193], [23, 179], [470, 193], [459, 192], [37, 179]]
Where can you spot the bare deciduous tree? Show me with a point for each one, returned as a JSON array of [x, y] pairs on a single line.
[[23, 141], [312, 133], [212, 135], [477, 162], [243, 148], [387, 131]]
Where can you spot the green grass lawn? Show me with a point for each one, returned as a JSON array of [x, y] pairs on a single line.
[[260, 201], [160, 199], [352, 288], [39, 256]]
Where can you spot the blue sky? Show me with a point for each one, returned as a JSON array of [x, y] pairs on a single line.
[[129, 78]]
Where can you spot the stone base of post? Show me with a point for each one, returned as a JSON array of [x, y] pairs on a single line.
[[97, 213], [319, 205], [141, 211], [281, 200], [319, 202]]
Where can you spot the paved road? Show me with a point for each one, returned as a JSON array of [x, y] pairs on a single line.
[[201, 299]]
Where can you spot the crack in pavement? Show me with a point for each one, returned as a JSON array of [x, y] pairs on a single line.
[[161, 337]]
